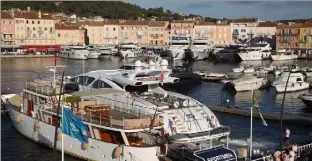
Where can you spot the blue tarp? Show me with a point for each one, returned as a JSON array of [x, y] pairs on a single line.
[[219, 153], [73, 126]]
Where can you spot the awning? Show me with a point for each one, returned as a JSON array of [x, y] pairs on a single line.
[[218, 153], [97, 92]]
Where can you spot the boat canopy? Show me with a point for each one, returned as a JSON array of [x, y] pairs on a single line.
[[97, 92]]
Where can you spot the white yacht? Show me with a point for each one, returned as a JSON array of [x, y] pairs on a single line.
[[106, 50], [227, 54], [75, 52], [199, 49], [239, 69], [283, 54], [194, 121], [113, 130], [178, 46], [130, 50], [247, 83], [93, 54], [296, 82], [257, 51]]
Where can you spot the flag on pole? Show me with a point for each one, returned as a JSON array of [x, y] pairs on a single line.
[[255, 104], [161, 78], [73, 126]]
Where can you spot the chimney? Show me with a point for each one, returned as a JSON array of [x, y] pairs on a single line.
[[28, 8], [39, 14]]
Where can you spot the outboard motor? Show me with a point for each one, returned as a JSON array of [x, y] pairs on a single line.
[[71, 87]]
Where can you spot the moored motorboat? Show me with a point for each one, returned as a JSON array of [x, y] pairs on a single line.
[[239, 69], [295, 83], [282, 54], [247, 83], [307, 100], [93, 54], [257, 51], [211, 77]]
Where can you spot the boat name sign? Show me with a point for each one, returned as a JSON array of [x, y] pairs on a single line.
[[219, 153]]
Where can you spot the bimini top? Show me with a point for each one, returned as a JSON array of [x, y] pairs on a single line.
[[97, 92]]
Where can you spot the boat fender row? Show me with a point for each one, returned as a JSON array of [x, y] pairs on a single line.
[[18, 118], [59, 135], [85, 146], [36, 126]]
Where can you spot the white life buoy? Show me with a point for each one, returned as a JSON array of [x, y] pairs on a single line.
[[117, 152], [185, 103], [176, 104]]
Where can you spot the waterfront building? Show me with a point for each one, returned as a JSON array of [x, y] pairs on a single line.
[[223, 33], [305, 37], [167, 35], [111, 32], [20, 27], [7, 29], [69, 34], [266, 31], [183, 28], [205, 30], [157, 33], [243, 29], [95, 32], [287, 36], [134, 31]]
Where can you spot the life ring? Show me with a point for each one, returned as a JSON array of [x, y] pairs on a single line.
[[85, 146], [185, 103], [117, 152], [59, 135], [36, 126], [176, 104], [18, 118]]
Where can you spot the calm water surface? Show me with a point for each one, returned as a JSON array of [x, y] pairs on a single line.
[[14, 73]]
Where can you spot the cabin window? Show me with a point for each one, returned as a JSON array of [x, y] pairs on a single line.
[[85, 80], [75, 79], [100, 84], [299, 79], [110, 136], [121, 86]]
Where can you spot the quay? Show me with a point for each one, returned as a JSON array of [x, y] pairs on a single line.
[[266, 115], [26, 56]]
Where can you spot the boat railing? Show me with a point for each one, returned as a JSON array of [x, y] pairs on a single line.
[[126, 122], [185, 118], [42, 88]]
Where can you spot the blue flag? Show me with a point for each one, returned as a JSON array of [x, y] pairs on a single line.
[[73, 126]]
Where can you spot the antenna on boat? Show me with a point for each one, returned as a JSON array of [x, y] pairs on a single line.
[[282, 108]]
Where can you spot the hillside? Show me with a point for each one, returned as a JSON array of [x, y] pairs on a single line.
[[107, 9]]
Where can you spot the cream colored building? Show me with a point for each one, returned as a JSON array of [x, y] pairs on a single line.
[[243, 29], [69, 34], [111, 32], [95, 32], [157, 33], [205, 30], [20, 28], [134, 31], [40, 29], [223, 34]]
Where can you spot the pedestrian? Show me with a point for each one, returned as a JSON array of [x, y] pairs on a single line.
[[291, 154], [286, 155], [287, 133], [172, 124]]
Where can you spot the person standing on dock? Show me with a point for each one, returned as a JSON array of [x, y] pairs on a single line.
[[287, 133]]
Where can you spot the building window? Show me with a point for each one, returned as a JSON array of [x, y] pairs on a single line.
[[106, 28], [16, 21], [114, 29], [34, 36], [45, 29], [243, 30], [27, 21], [34, 29], [32, 22], [38, 22], [58, 35]]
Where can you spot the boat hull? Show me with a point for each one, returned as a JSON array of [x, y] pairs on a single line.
[[200, 55], [177, 54], [282, 57], [128, 54], [97, 150], [74, 56], [307, 100], [254, 56], [226, 57], [94, 55], [292, 87]]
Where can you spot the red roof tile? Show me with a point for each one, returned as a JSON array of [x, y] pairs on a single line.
[[95, 23], [284, 26], [111, 22], [32, 15], [68, 27], [158, 23], [5, 15], [206, 23], [181, 21], [267, 24]]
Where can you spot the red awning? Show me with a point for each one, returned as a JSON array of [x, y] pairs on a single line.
[[42, 47]]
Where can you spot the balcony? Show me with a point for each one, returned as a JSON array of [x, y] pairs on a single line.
[[7, 39]]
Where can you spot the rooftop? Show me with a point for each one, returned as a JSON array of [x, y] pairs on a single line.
[[130, 22], [111, 22], [206, 23], [244, 20], [95, 23], [68, 27], [5, 15], [31, 15], [157, 23], [267, 24], [182, 21]]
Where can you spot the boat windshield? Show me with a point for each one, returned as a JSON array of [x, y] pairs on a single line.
[[127, 67], [258, 45], [180, 44], [200, 43]]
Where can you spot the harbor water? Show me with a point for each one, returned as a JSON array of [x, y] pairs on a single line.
[[15, 71]]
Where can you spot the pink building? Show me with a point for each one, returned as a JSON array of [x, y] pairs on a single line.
[[157, 33], [69, 34], [134, 31], [184, 28], [7, 29], [223, 34]]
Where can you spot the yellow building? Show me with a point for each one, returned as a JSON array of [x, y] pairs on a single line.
[[305, 36], [95, 32], [69, 34], [111, 32], [157, 33], [134, 31]]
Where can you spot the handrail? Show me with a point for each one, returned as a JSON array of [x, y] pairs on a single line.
[[185, 116], [195, 120]]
